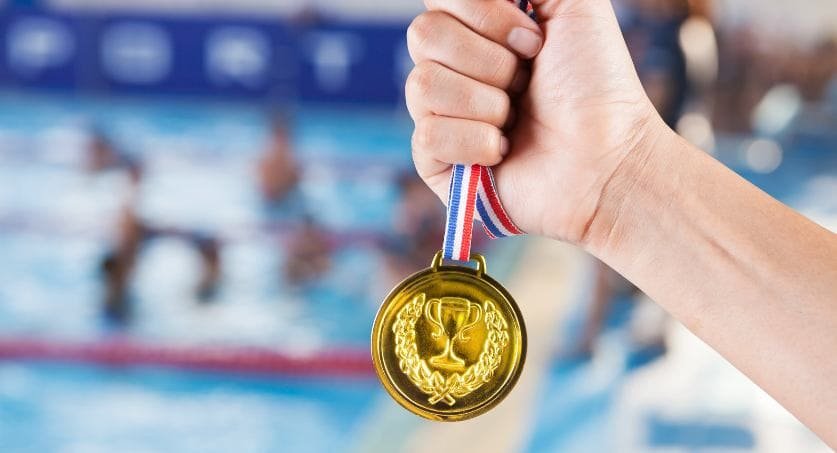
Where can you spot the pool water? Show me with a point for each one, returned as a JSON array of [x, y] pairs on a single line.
[[64, 408], [56, 222]]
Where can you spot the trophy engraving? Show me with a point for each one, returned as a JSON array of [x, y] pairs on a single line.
[[451, 317]]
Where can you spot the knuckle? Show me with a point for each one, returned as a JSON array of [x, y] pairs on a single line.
[[493, 138], [501, 108], [503, 65], [422, 28], [485, 16], [418, 29], [422, 80]]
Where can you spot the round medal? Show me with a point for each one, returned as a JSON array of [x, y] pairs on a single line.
[[449, 342]]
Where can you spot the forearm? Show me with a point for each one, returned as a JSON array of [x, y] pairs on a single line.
[[752, 278]]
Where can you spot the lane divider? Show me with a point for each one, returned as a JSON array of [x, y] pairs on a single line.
[[335, 362]]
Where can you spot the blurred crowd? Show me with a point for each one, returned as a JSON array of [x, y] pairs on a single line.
[[685, 52]]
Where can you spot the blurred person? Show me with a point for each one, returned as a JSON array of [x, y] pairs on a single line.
[[278, 170], [308, 254], [103, 155], [209, 249], [651, 29], [749, 65], [120, 260], [118, 264], [817, 68], [590, 161]]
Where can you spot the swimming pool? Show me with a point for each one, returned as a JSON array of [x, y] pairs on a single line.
[[56, 223]]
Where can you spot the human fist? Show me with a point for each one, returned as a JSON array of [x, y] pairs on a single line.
[[556, 107]]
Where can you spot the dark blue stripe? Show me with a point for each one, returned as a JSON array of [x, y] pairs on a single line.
[[456, 189], [486, 220]]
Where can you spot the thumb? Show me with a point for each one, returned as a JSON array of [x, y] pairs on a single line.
[[547, 10]]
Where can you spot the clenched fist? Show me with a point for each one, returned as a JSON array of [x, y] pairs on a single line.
[[556, 106]]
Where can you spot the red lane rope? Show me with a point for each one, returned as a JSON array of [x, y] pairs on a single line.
[[327, 363]]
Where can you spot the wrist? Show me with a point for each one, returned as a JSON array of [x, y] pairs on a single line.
[[635, 187]]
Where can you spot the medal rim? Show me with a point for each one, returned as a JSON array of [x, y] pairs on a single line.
[[377, 351]]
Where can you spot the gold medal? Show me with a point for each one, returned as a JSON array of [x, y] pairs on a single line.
[[449, 342]]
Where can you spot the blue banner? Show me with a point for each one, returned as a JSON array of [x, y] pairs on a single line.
[[354, 63], [317, 61]]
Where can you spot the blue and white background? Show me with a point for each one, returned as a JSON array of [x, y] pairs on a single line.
[[328, 60], [190, 88]]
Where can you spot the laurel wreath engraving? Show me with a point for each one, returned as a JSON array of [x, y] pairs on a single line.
[[432, 382]]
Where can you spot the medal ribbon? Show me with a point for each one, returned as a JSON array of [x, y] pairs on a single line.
[[473, 193]]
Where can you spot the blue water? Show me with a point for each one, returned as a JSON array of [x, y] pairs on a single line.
[[56, 222], [86, 409]]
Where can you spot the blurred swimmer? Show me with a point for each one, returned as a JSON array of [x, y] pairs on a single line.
[[278, 170], [210, 251], [103, 155], [118, 263]]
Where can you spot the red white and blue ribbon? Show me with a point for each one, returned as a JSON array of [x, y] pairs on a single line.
[[526, 7], [495, 221], [462, 197], [473, 194]]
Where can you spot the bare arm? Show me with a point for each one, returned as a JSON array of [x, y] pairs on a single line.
[[745, 273]]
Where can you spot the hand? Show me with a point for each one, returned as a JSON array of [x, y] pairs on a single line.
[[556, 143]]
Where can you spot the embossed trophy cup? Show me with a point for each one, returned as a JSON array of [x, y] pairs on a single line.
[[451, 317]]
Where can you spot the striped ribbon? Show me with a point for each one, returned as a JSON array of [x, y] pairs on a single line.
[[473, 194]]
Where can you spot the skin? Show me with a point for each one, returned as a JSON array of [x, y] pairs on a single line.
[[581, 155], [278, 172]]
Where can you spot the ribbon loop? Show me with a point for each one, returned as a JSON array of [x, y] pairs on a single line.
[[473, 194]]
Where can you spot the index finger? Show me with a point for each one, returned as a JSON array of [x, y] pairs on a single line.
[[498, 20]]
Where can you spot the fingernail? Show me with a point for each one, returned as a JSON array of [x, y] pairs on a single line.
[[504, 145], [524, 41]]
